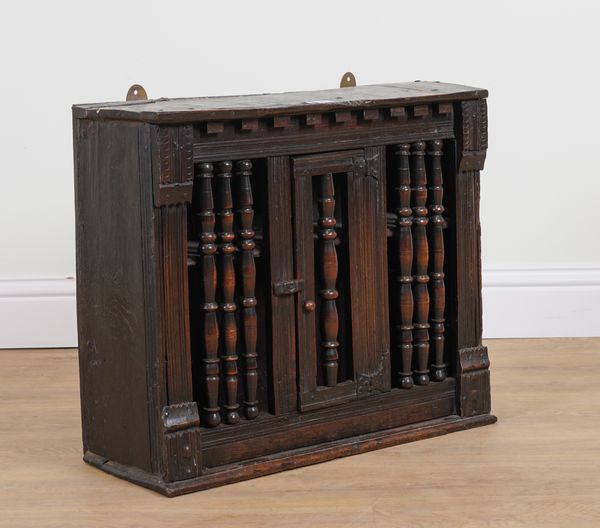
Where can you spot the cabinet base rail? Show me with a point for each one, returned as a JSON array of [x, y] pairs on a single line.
[[292, 459]]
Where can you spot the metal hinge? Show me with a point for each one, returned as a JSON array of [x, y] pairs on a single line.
[[288, 287]]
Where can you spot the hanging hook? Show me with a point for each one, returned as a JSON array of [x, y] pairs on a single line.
[[136, 92], [348, 80]]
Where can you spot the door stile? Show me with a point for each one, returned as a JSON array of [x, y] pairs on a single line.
[[281, 270], [368, 274]]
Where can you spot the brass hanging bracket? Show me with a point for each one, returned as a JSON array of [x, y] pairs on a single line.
[[348, 80], [136, 92]]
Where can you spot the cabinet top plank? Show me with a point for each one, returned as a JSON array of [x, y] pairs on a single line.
[[186, 110]]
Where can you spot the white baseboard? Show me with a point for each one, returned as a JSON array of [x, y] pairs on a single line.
[[40, 313], [541, 302]]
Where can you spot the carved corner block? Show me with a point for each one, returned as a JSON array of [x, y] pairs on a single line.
[[172, 164], [182, 454], [474, 381], [376, 381], [472, 135]]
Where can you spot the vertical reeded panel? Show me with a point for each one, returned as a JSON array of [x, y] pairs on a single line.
[[368, 278]]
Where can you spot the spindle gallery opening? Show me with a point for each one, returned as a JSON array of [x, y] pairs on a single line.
[[277, 280], [227, 291], [349, 207]]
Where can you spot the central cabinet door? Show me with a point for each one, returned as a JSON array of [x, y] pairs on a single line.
[[340, 255]]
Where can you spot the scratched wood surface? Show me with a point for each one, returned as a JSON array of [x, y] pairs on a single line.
[[252, 106], [539, 466]]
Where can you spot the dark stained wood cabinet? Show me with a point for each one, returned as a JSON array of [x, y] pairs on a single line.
[[270, 281]]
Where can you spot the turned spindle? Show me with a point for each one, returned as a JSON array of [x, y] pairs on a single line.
[[227, 282], [248, 272], [205, 218], [436, 263], [404, 247], [420, 263], [329, 273]]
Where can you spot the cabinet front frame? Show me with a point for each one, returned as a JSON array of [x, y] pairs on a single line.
[[394, 409]]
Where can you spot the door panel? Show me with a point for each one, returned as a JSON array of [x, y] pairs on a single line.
[[339, 239], [367, 233]]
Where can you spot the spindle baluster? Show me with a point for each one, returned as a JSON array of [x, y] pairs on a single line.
[[248, 272], [436, 273], [329, 273], [227, 281], [404, 241], [208, 272], [420, 264]]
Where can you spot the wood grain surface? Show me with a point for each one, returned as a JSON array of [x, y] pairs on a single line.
[[191, 109], [539, 466]]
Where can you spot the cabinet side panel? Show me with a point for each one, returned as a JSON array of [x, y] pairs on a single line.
[[473, 363], [110, 293]]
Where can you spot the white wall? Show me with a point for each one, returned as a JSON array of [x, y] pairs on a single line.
[[541, 187]]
